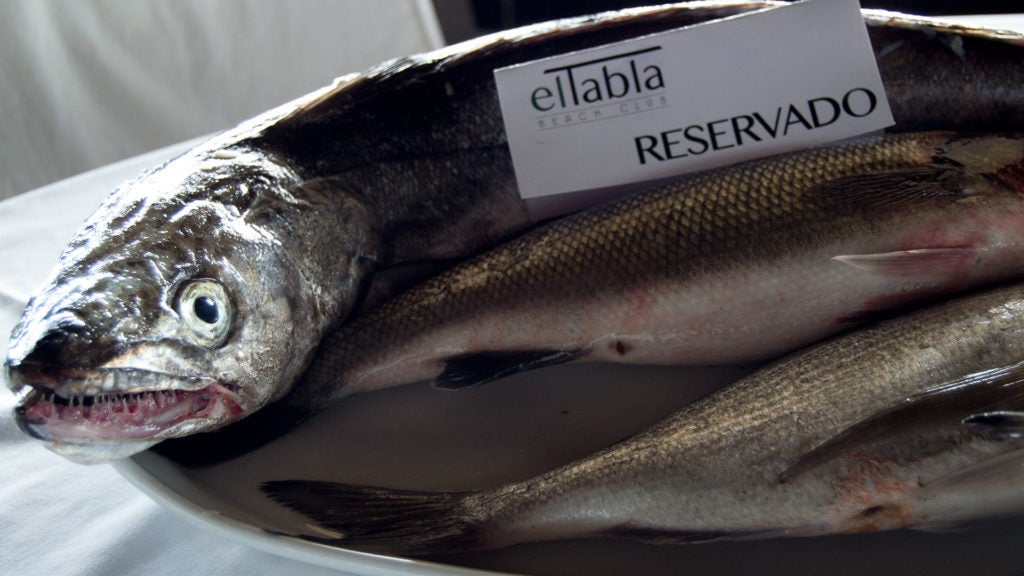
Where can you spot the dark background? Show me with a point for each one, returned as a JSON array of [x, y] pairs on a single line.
[[463, 19]]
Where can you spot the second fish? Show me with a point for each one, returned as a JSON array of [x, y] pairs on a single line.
[[732, 265]]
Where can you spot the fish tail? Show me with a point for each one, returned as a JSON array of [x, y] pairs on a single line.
[[379, 519]]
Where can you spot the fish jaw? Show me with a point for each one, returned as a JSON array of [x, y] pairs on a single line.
[[70, 407], [99, 453]]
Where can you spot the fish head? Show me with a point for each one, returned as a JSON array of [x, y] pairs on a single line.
[[189, 300]]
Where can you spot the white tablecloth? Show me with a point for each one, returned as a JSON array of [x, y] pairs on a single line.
[[87, 82]]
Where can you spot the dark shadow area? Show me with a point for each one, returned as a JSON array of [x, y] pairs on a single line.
[[463, 19]]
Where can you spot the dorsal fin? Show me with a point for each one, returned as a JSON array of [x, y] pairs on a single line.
[[508, 47], [897, 187]]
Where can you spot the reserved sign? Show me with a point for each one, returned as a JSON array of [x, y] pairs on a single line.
[[694, 98]]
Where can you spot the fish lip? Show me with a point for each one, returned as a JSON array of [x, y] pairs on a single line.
[[69, 381], [60, 404]]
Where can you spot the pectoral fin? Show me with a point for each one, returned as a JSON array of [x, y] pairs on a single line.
[[917, 262], [935, 271], [472, 370], [990, 401], [933, 267]]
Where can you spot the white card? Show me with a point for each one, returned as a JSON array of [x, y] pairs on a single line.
[[693, 98]]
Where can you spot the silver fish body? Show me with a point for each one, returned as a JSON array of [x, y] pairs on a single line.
[[728, 266], [198, 293], [734, 265], [913, 422]]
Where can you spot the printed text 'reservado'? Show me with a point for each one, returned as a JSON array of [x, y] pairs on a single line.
[[724, 133], [600, 89]]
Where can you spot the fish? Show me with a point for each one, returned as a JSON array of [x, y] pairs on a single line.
[[916, 421], [198, 293], [736, 265]]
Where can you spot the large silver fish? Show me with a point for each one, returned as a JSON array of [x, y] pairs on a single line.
[[729, 266], [733, 265], [197, 293], [917, 421]]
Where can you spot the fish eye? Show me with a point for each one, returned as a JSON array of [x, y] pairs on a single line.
[[205, 310]]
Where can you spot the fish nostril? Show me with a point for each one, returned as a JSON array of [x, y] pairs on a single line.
[[47, 348], [59, 345]]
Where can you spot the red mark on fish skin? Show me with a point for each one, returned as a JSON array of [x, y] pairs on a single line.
[[619, 347], [1013, 174], [868, 496], [971, 229], [882, 517]]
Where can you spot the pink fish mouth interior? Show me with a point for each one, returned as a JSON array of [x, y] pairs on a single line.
[[148, 414]]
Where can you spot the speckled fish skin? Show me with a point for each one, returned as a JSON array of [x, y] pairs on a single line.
[[728, 266], [912, 422], [287, 217]]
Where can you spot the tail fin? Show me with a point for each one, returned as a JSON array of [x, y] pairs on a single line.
[[380, 519]]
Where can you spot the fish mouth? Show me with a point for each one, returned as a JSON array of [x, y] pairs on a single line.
[[85, 406]]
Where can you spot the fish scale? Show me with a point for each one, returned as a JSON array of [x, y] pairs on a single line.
[[699, 225]]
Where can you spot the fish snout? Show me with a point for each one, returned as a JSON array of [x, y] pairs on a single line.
[[42, 353], [10, 376], [59, 343]]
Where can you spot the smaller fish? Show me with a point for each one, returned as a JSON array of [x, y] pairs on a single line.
[[914, 422], [734, 265]]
